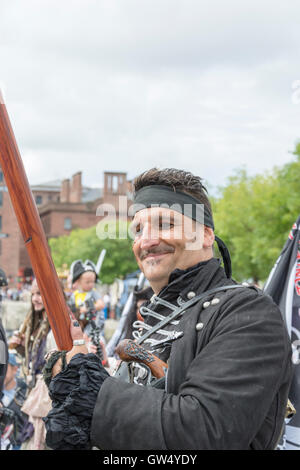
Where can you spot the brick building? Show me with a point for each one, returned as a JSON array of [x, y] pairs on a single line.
[[63, 206]]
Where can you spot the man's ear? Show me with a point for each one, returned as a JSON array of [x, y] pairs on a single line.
[[209, 237]]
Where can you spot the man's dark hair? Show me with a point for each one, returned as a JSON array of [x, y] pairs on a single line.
[[176, 179]]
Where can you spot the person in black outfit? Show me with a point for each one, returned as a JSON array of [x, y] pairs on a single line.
[[3, 357], [139, 297], [3, 342], [14, 393], [226, 348]]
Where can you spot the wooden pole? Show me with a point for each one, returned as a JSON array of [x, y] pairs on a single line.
[[33, 234]]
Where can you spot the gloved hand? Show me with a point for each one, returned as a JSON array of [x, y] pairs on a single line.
[[76, 334], [73, 390]]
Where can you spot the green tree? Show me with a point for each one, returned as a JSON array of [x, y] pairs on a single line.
[[85, 244], [253, 215]]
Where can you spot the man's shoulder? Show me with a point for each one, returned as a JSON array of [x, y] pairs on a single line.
[[243, 298], [228, 291], [252, 295]]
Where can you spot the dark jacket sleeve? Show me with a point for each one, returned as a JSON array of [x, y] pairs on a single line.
[[234, 385]]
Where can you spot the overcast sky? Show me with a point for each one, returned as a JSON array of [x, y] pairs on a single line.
[[125, 85]]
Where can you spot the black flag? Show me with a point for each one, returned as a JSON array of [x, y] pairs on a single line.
[[283, 285]]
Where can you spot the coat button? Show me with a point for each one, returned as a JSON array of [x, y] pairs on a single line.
[[215, 301], [206, 304], [199, 326], [190, 295]]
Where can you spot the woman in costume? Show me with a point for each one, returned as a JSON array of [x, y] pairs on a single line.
[[32, 342]]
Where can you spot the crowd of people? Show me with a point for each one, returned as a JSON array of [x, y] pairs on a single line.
[[24, 394], [201, 361], [21, 292]]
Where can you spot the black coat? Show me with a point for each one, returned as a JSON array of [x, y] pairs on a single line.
[[227, 383]]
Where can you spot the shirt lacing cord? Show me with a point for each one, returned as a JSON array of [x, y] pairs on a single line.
[[166, 335]]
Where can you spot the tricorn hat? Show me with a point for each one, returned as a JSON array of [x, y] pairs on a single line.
[[78, 268]]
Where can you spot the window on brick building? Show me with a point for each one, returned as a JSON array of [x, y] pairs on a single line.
[[1, 198], [38, 200], [1, 177], [0, 223], [67, 223], [115, 184]]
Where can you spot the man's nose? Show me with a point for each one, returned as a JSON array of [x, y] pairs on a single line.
[[149, 238]]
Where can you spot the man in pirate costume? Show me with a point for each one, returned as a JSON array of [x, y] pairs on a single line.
[[225, 346]]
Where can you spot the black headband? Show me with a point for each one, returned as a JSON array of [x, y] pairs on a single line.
[[159, 195]]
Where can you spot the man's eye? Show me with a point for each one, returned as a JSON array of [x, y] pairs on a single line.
[[137, 230]]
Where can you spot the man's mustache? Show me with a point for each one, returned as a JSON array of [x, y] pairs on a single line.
[[156, 250]]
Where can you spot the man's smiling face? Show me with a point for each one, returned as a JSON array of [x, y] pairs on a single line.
[[163, 242]]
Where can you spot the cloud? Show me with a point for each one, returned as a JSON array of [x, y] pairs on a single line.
[[127, 85]]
